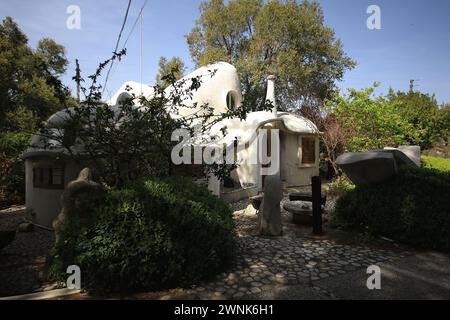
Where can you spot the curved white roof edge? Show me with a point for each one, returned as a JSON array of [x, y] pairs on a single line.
[[147, 91], [244, 130], [206, 70]]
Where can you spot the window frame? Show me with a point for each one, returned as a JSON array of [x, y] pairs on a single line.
[[312, 143], [231, 96], [43, 177]]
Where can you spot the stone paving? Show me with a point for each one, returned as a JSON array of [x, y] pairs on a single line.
[[265, 263]]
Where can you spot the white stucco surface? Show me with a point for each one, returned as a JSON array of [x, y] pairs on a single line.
[[45, 203], [134, 90], [217, 80]]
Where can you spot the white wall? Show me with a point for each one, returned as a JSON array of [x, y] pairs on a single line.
[[293, 172], [213, 89], [45, 202]]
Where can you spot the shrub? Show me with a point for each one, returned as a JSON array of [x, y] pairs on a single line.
[[12, 168], [151, 235], [340, 185], [413, 207]]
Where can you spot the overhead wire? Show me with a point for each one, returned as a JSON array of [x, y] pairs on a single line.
[[117, 45], [138, 18]]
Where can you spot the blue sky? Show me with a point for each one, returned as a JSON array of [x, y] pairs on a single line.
[[413, 43]]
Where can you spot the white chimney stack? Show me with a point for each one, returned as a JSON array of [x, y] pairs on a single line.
[[271, 93]]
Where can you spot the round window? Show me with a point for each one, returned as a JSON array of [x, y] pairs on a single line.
[[231, 100]]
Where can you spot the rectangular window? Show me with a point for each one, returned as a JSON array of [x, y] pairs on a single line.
[[48, 178], [308, 150]]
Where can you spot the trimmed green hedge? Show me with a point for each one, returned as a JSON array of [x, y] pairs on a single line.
[[413, 207], [440, 164], [152, 235]]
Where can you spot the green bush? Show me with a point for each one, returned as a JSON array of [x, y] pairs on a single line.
[[151, 235], [12, 167], [413, 207], [340, 185], [440, 164]]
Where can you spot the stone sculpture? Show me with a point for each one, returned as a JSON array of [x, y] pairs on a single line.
[[269, 217], [78, 199], [377, 165]]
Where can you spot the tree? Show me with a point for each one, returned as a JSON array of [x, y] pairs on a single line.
[[29, 78], [370, 122], [54, 56], [444, 120], [30, 91], [173, 66], [422, 112], [287, 39]]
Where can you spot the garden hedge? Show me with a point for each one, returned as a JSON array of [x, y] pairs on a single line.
[[152, 235], [413, 207]]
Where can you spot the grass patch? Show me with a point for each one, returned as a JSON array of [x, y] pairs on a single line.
[[441, 164]]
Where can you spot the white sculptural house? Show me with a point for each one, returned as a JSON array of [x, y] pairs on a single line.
[[298, 140]]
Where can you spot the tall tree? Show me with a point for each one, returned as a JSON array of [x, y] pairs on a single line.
[[29, 78], [173, 67], [284, 38], [422, 112], [30, 91]]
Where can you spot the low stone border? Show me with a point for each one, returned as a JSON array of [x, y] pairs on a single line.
[[44, 295]]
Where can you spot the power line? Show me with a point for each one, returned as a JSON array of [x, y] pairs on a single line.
[[117, 44], [134, 24], [139, 17]]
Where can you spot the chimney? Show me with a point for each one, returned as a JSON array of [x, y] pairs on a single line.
[[271, 93]]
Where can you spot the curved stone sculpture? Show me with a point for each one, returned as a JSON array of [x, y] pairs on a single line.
[[368, 167], [377, 165]]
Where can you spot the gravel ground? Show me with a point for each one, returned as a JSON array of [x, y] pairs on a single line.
[[23, 259]]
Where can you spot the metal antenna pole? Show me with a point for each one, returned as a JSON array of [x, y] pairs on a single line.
[[142, 37]]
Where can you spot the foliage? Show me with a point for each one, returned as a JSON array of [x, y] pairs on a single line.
[[12, 169], [30, 91], [29, 78], [440, 164], [361, 121], [173, 66], [444, 121], [412, 207], [54, 56], [340, 185], [151, 235], [422, 112], [283, 38], [21, 120], [370, 122]]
